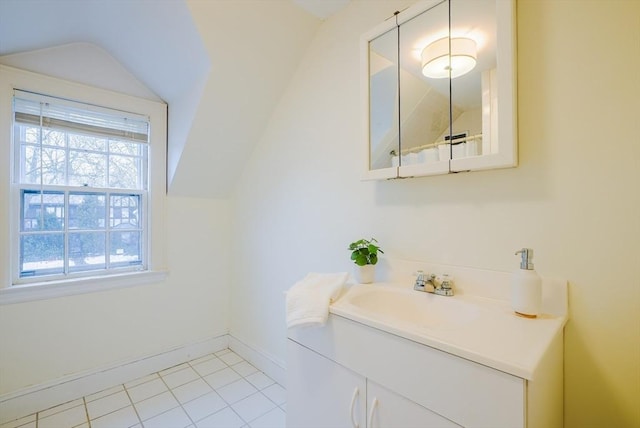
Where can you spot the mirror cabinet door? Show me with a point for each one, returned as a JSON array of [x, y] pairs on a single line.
[[383, 104], [484, 134], [472, 22], [424, 99]]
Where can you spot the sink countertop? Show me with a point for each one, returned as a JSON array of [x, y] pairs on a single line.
[[493, 336]]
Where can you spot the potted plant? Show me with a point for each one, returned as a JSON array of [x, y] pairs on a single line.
[[364, 253]]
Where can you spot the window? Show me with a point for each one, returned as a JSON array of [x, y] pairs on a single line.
[[81, 172], [82, 188]]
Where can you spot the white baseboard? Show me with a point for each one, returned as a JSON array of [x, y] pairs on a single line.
[[29, 400], [271, 366]]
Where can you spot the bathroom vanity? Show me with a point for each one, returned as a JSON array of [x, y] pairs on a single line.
[[393, 357]]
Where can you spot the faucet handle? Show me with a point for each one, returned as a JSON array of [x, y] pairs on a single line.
[[446, 281], [420, 281], [446, 286]]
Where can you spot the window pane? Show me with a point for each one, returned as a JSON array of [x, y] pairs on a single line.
[[87, 169], [41, 254], [125, 148], [87, 211], [30, 134], [125, 248], [124, 212], [45, 160], [87, 251], [124, 172], [30, 162], [85, 142], [51, 137], [26, 134], [42, 211], [53, 166]]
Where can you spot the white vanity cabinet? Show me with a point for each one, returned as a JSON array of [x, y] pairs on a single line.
[[412, 385], [385, 408], [323, 394]]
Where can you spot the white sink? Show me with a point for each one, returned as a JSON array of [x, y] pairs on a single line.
[[477, 323], [398, 305]]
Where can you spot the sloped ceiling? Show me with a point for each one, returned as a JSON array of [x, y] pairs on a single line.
[[323, 9], [97, 68], [220, 65], [255, 47]]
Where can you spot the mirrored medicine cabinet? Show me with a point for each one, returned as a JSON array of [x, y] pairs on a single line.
[[440, 89]]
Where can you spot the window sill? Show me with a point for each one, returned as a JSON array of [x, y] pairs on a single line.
[[70, 287]]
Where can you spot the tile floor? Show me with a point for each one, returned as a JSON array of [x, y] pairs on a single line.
[[218, 390]]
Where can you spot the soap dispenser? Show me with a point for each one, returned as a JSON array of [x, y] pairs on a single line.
[[526, 287]]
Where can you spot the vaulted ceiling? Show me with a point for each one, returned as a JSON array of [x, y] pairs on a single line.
[[220, 66]]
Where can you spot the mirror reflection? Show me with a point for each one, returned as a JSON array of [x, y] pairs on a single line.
[[424, 114], [383, 96], [445, 67], [474, 95]]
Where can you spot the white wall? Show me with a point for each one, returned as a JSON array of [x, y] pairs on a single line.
[[575, 197], [42, 341], [45, 340]]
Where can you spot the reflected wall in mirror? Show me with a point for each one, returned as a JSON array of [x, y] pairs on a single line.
[[438, 111], [471, 93], [383, 92]]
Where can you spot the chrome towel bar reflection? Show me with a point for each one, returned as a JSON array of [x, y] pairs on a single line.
[[438, 143]]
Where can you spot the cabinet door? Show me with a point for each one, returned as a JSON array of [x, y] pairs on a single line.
[[386, 409], [383, 142], [322, 393]]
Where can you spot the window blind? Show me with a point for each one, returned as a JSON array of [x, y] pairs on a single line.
[[57, 113]]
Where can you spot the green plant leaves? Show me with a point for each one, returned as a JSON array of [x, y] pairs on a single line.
[[361, 260], [365, 252]]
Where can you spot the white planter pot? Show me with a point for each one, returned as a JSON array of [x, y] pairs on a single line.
[[364, 274]]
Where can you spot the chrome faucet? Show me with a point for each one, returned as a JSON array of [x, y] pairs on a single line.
[[440, 286]]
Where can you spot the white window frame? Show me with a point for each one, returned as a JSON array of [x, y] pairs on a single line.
[[13, 289]]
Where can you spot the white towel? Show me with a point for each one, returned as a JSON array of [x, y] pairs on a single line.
[[308, 300]]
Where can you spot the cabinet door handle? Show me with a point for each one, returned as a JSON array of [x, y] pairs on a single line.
[[356, 392], [374, 404]]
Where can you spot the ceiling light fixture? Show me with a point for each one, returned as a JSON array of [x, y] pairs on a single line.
[[435, 58]]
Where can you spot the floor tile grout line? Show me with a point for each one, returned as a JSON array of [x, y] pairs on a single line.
[[273, 401], [146, 398], [215, 371], [152, 376], [229, 405], [57, 405], [215, 389], [244, 377], [178, 401], [108, 413], [86, 410], [135, 410], [262, 414], [258, 391], [104, 396]]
